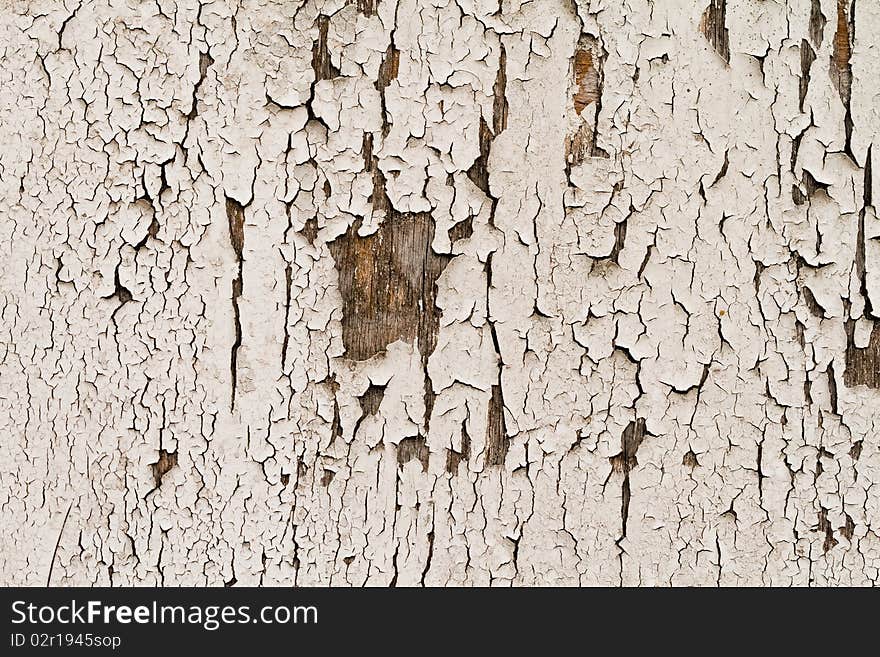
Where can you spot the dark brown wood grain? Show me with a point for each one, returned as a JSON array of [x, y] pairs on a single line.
[[714, 27], [388, 285], [863, 364]]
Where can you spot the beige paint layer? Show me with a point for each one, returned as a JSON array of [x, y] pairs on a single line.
[[441, 292]]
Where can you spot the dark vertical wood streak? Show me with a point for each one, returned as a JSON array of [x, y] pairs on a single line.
[[823, 526], [863, 364], [497, 441], [808, 56], [861, 268], [235, 217], [479, 170], [497, 437], [388, 70], [841, 66], [499, 91], [714, 27], [817, 23], [625, 461], [205, 61], [288, 280], [322, 63]]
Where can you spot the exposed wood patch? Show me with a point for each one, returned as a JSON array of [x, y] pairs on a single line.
[[840, 56], [500, 106], [378, 199], [586, 76], [453, 458], [310, 230], [479, 171], [587, 82], [497, 440], [579, 145], [631, 439], [807, 189], [462, 230], [862, 365], [856, 450], [205, 61], [389, 67], [413, 448], [167, 460], [824, 527], [626, 460], [619, 239], [841, 67], [371, 399], [388, 285], [849, 528], [366, 7], [808, 56], [235, 217], [322, 63], [388, 71], [817, 23], [868, 202], [714, 27], [812, 305]]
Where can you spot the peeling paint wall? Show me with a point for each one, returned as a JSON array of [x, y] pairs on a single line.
[[442, 292]]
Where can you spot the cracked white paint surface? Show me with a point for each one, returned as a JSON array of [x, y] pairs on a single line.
[[653, 316]]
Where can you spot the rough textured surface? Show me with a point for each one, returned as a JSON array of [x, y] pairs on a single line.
[[457, 292]]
